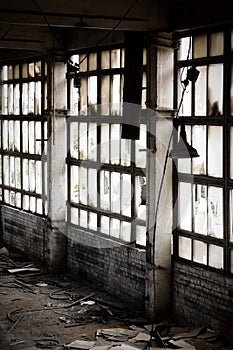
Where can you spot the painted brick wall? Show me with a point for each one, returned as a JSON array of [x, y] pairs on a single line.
[[117, 268], [202, 297], [23, 231]]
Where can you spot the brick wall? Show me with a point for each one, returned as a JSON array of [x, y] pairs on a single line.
[[117, 268], [24, 231], [202, 297]]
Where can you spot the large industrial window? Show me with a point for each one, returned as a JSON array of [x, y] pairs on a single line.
[[205, 184], [23, 134], [106, 174]]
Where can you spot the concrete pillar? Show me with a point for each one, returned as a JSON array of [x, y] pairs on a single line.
[[159, 214], [56, 240]]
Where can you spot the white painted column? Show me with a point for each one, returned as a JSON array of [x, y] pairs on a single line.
[[159, 214], [56, 244]]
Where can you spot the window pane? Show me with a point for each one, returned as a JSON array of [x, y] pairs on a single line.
[[215, 256], [105, 98], [140, 148], [115, 58], [104, 155], [115, 144], [92, 187], [83, 63], [92, 142], [215, 212], [115, 228], [92, 94], [74, 216], [74, 184], [125, 234], [200, 208], [200, 252], [115, 192], [215, 90], [83, 97], [200, 46], [116, 94], [104, 223], [200, 92], [183, 51], [140, 197], [92, 61], [83, 141], [215, 151], [184, 164], [141, 235], [92, 224], [83, 218], [216, 44], [185, 248], [184, 206], [125, 152], [185, 109], [74, 141], [199, 142], [105, 190], [126, 194], [105, 59], [83, 185]]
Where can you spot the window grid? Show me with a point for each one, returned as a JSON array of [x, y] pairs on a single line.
[[195, 241], [105, 174], [24, 132]]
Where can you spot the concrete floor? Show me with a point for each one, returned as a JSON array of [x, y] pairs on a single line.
[[44, 311]]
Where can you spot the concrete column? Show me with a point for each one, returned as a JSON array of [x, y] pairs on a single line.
[[159, 215], [56, 240]]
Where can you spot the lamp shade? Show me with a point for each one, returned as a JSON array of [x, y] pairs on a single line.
[[183, 149]]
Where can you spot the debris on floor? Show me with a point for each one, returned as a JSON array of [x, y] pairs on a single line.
[[47, 311]]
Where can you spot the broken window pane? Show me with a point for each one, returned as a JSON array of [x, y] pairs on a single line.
[[38, 68], [183, 51], [31, 69], [200, 46], [200, 252], [104, 146], [105, 190], [200, 209], [216, 44], [92, 61], [92, 187], [199, 142], [184, 206], [215, 256], [185, 248], [215, 151], [105, 60], [115, 192], [140, 197], [126, 195], [215, 90], [144, 90], [104, 224], [115, 144], [200, 92], [215, 212], [141, 235]]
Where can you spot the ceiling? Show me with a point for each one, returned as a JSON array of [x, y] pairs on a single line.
[[41, 25]]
